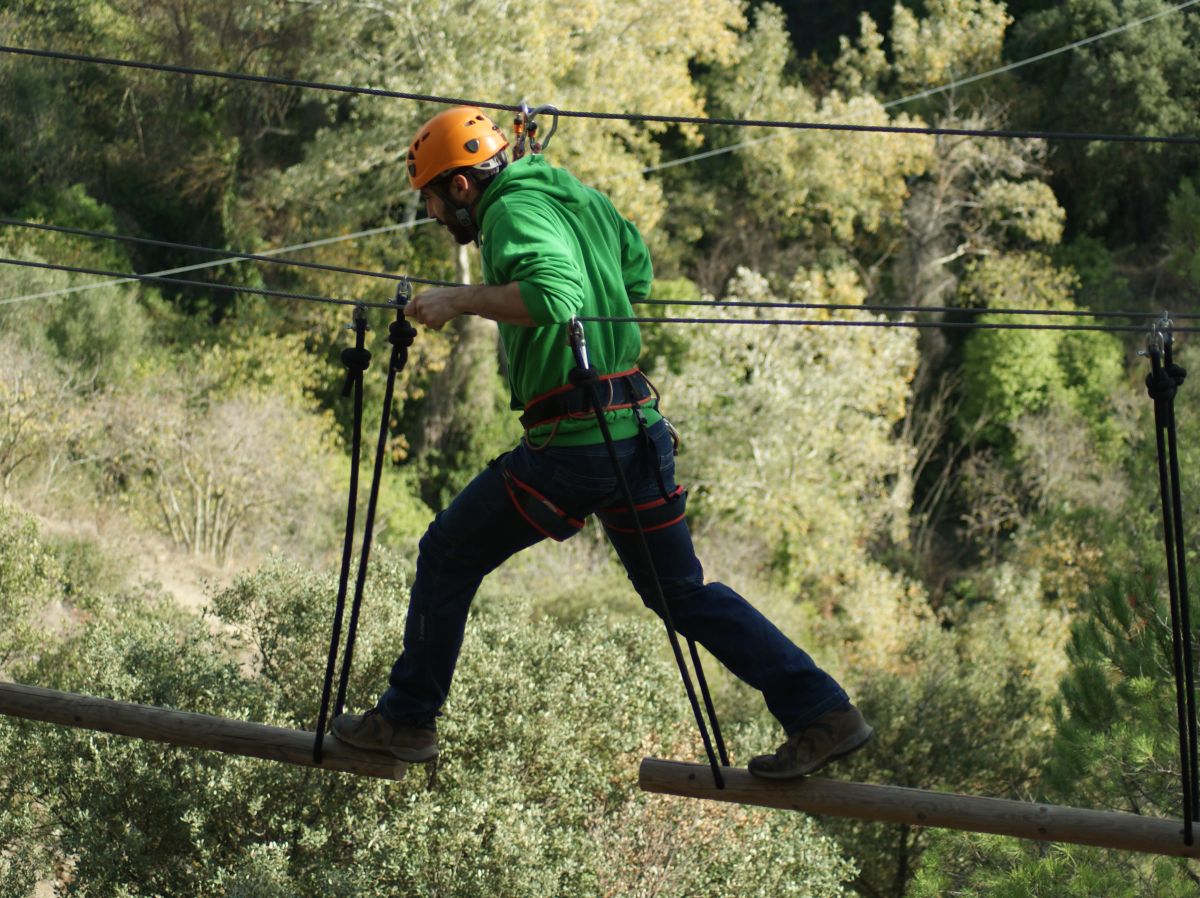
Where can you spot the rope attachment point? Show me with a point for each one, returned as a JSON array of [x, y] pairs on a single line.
[[525, 127], [1162, 383]]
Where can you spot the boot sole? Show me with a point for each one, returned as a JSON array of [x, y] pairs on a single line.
[[847, 746]]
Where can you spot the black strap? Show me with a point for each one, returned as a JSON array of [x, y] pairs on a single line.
[[588, 381], [1162, 384], [356, 360], [401, 335]]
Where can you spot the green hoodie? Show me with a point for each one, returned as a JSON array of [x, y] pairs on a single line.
[[572, 254]]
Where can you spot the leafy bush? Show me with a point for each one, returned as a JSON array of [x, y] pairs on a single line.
[[535, 794], [1116, 747]]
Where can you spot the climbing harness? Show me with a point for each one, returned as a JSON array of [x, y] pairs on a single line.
[[1162, 383], [626, 389], [525, 127], [401, 335], [585, 378]]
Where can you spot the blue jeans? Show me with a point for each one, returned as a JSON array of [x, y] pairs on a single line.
[[483, 527]]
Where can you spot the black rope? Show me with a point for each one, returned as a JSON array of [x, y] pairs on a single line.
[[604, 116], [711, 303], [1162, 384], [204, 285], [401, 335], [251, 257], [835, 322], [356, 360], [1185, 614], [584, 377]]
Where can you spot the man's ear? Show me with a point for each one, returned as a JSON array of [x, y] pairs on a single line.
[[460, 187]]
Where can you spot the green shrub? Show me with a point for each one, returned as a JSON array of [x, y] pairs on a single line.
[[535, 795]]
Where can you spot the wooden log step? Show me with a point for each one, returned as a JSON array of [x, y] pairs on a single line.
[[918, 807], [184, 728]]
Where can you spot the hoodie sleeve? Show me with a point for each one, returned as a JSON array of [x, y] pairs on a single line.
[[636, 268], [526, 246]]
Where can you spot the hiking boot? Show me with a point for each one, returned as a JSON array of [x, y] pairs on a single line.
[[374, 732], [833, 735]]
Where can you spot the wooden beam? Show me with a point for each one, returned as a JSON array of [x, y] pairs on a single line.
[[917, 807], [235, 737]]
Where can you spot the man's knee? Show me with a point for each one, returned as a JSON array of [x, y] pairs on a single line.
[[437, 547], [674, 590]]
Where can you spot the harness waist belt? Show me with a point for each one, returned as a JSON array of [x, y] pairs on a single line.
[[626, 389]]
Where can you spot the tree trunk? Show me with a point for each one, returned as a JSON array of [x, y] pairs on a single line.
[[461, 400]]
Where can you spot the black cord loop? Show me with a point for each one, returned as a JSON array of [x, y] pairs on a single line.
[[1162, 383], [401, 335], [356, 359], [585, 377]]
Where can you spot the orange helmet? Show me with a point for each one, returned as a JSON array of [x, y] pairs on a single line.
[[462, 137]]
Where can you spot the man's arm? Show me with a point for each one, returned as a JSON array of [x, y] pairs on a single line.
[[503, 303]]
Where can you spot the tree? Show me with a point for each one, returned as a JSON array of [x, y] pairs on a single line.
[[1183, 229], [223, 451], [1141, 81], [826, 477], [1115, 747]]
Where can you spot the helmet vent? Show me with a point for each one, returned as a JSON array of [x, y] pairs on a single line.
[[471, 146]]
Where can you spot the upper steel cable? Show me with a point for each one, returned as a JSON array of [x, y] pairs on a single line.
[[251, 257], [233, 288], [605, 116]]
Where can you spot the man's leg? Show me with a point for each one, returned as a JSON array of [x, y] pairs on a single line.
[[796, 690], [813, 709], [473, 536]]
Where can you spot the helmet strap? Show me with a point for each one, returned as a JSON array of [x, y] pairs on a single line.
[[462, 214]]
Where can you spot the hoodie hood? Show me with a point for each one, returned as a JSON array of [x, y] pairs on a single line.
[[533, 173]]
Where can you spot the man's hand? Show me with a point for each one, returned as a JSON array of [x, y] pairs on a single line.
[[436, 306]]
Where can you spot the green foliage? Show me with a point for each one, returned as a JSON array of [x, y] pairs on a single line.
[[27, 581], [997, 867], [214, 452], [100, 330], [805, 183], [1011, 373], [1115, 746], [1183, 230], [1142, 81], [1101, 286], [959, 701], [536, 785], [665, 346], [788, 441]]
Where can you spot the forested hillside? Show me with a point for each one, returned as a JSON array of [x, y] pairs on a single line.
[[961, 523]]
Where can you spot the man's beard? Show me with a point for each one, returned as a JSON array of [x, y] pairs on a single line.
[[461, 233]]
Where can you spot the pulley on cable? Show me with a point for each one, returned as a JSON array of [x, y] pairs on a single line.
[[525, 127]]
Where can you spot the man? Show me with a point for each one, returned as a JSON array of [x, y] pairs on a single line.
[[553, 249]]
